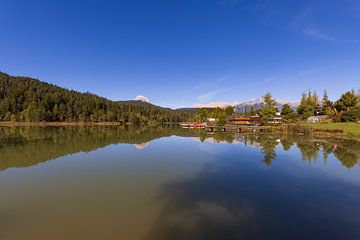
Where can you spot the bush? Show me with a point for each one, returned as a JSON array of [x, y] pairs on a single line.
[[352, 115]]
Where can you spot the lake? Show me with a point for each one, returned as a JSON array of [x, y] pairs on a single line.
[[171, 183]]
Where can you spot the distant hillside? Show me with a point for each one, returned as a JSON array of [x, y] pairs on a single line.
[[143, 104], [192, 110], [258, 103], [28, 99]]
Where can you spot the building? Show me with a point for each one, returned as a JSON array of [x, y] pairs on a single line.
[[211, 120], [319, 118], [254, 120]]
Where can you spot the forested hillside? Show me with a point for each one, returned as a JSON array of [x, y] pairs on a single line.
[[28, 99]]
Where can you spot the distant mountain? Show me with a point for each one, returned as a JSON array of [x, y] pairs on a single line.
[[258, 103]]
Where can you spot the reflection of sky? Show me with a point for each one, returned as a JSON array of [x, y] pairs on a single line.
[[179, 183], [237, 197]]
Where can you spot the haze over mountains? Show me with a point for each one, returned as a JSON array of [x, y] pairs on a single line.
[[258, 103], [239, 107]]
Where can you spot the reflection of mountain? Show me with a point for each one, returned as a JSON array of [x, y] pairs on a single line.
[[141, 146], [27, 146]]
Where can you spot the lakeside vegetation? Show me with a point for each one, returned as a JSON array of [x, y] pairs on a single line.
[[345, 109], [27, 101], [340, 117]]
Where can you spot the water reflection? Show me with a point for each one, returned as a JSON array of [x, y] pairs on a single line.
[[39, 144], [27, 146], [170, 183], [232, 200]]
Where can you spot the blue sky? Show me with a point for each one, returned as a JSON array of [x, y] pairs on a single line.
[[184, 52]]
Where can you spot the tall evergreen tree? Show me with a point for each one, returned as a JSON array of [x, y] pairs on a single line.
[[326, 105], [287, 112], [309, 105], [269, 108], [252, 111], [229, 110]]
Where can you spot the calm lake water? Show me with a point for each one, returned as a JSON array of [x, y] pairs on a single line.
[[168, 183]]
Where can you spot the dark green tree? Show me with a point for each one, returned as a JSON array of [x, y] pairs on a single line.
[[309, 105], [287, 112], [229, 110], [252, 110], [346, 101], [327, 107], [268, 109]]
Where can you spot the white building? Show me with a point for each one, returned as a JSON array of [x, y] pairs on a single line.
[[319, 118]]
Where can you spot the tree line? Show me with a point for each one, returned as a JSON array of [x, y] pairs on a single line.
[[28, 99], [345, 109]]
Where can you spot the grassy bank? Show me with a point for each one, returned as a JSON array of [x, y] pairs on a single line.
[[353, 129], [326, 130]]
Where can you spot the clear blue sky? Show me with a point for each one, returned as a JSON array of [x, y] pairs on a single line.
[[183, 52]]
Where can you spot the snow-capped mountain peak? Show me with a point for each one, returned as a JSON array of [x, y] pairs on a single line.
[[257, 103]]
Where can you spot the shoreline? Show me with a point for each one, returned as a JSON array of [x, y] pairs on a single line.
[[323, 130], [56, 124], [302, 129]]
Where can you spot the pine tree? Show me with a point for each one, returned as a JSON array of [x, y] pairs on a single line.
[[326, 105], [252, 110], [229, 110], [287, 112], [309, 105], [269, 108]]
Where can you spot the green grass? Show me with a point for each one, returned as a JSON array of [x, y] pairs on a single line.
[[350, 128]]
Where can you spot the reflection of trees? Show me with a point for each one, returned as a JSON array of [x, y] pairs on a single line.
[[348, 152], [229, 200], [223, 137], [286, 143], [26, 146], [309, 150], [268, 145], [345, 150], [348, 159]]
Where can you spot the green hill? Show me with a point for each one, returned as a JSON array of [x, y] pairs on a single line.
[[30, 100]]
